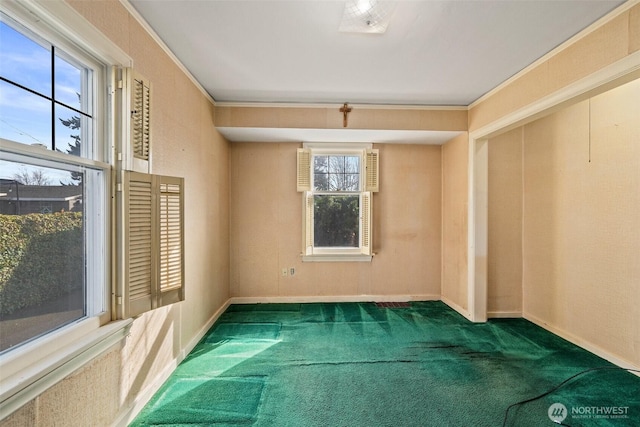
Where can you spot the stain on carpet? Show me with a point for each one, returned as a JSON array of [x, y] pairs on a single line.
[[393, 305]]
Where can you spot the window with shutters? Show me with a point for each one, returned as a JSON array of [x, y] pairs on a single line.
[[337, 183], [60, 119]]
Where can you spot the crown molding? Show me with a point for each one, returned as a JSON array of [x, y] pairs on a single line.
[[135, 14], [338, 105]]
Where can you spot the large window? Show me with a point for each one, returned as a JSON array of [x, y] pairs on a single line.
[[53, 186], [337, 183]]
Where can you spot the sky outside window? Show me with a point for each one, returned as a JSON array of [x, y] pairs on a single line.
[[35, 98], [68, 83], [24, 61], [27, 98]]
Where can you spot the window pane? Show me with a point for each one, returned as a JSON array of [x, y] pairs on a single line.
[[352, 164], [24, 117], [320, 182], [320, 177], [24, 61], [350, 182], [337, 173], [320, 164], [42, 256], [336, 221], [69, 79], [70, 128]]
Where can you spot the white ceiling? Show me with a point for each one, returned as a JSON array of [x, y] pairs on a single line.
[[433, 53]]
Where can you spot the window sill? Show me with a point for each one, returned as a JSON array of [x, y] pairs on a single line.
[[23, 385], [337, 258]]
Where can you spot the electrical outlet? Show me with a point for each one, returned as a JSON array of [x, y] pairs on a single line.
[[292, 271], [284, 272]]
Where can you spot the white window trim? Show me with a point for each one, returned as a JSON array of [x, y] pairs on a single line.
[[335, 257], [35, 366], [48, 157], [337, 254]]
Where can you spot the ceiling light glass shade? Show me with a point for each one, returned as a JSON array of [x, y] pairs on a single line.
[[366, 16]]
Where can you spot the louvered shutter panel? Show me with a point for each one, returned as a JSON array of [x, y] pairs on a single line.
[[139, 225], [365, 223], [307, 224], [304, 169], [134, 97], [171, 264], [152, 242], [372, 165], [140, 116]]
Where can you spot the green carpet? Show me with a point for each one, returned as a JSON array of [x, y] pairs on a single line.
[[354, 364]]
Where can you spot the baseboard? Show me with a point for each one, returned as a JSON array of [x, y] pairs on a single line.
[[333, 298], [504, 314], [456, 307], [196, 339], [129, 413], [598, 351]]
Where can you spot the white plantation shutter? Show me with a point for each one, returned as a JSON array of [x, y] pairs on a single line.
[[138, 225], [371, 172], [304, 169], [152, 242], [307, 223], [134, 98], [171, 240], [140, 116], [365, 223]]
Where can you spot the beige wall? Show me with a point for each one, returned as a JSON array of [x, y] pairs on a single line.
[[504, 255], [266, 215], [455, 182], [581, 237], [185, 143], [361, 117]]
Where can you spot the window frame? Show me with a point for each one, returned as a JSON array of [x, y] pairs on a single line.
[[97, 279], [361, 253], [34, 366]]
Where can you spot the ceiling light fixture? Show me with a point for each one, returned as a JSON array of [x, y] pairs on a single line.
[[366, 16]]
